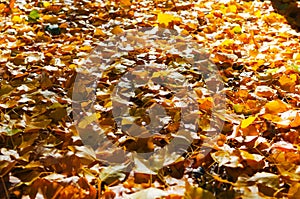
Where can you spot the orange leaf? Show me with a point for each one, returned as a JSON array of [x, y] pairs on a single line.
[[206, 104], [251, 130], [12, 4], [2, 7], [288, 82], [294, 191], [296, 121], [276, 106], [125, 3], [117, 30], [99, 32]]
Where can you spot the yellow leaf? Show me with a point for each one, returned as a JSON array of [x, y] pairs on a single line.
[[273, 17], [127, 121], [16, 19], [246, 122], [226, 158], [296, 56], [86, 48], [72, 66], [68, 48], [191, 26], [258, 63], [88, 120], [276, 106], [46, 4], [108, 105], [257, 14], [49, 55], [227, 42], [165, 19], [160, 74], [248, 156], [272, 71], [232, 8]]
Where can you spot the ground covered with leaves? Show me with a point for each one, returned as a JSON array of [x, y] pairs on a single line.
[[43, 46]]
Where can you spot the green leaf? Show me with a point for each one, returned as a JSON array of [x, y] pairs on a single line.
[[296, 68], [34, 15], [237, 30], [11, 132]]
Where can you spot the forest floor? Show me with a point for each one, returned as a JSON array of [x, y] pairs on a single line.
[[53, 115]]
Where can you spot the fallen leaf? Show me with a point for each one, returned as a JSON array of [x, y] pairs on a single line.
[[296, 121], [268, 179], [193, 192], [34, 15], [17, 19], [88, 120], [117, 30], [246, 122], [294, 191], [276, 106], [165, 19]]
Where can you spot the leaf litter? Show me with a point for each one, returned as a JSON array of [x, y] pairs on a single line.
[[42, 47]]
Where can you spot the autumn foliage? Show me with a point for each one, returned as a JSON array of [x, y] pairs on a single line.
[[43, 46]]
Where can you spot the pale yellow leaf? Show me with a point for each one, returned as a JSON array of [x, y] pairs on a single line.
[[88, 120]]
